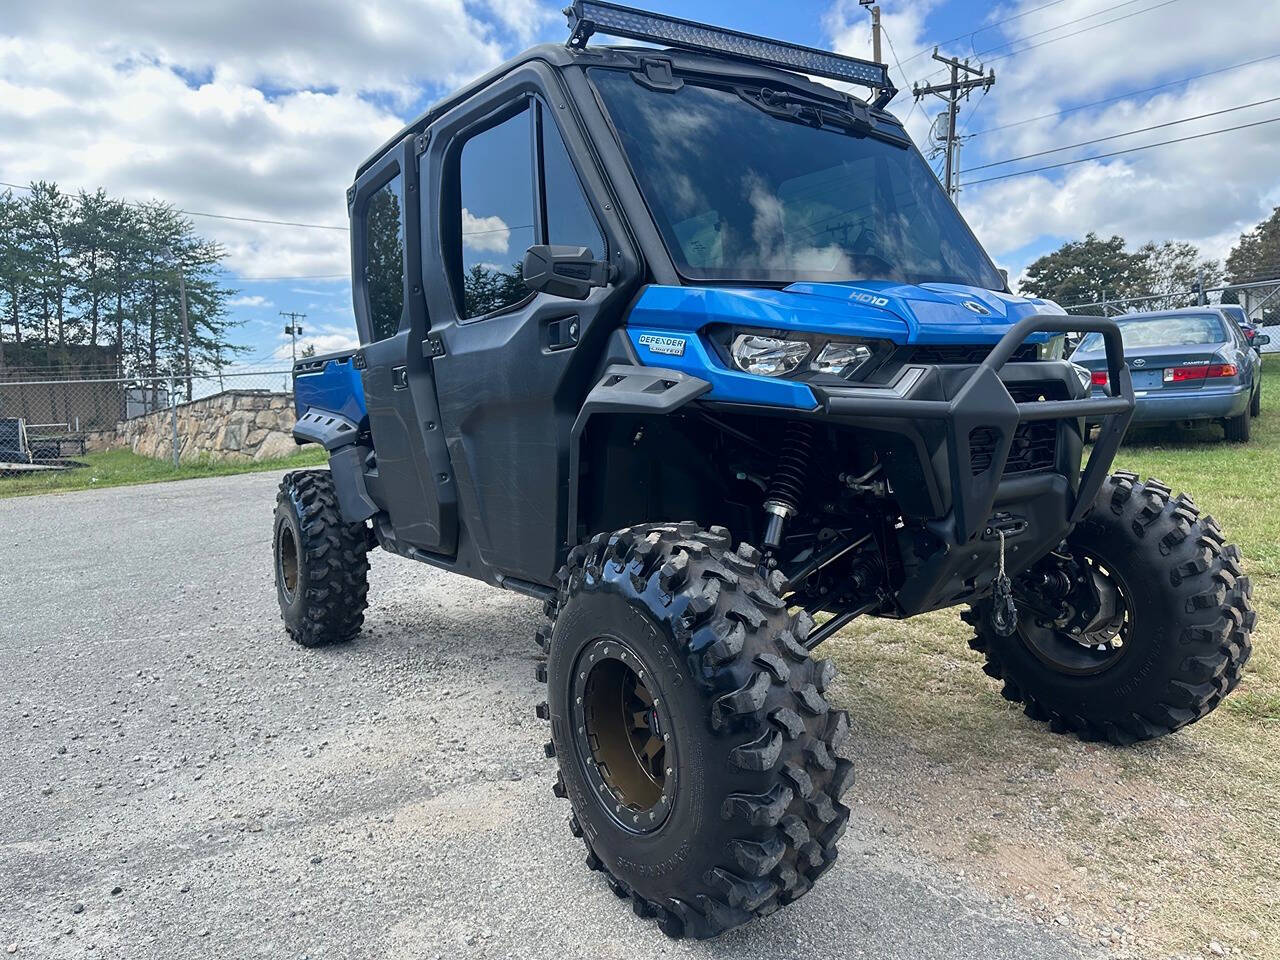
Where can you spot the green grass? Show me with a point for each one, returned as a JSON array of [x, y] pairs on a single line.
[[121, 468]]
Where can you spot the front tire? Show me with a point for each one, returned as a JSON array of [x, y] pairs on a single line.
[[321, 562], [694, 742], [1185, 640]]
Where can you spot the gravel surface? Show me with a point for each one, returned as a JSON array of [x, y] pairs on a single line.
[[181, 780]]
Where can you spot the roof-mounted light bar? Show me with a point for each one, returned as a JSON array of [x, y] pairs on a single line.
[[590, 16]]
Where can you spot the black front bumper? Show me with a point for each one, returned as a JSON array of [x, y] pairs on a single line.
[[955, 495]]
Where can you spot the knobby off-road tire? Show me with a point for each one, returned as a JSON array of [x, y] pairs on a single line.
[[321, 562], [1189, 638], [751, 807], [1238, 429]]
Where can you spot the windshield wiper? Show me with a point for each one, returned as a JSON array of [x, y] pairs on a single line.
[[853, 118]]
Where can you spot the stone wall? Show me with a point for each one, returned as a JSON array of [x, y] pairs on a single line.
[[239, 425]]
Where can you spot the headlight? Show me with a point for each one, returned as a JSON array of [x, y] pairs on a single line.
[[767, 356], [841, 359], [799, 354]]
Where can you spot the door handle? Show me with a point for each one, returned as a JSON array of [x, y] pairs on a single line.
[[400, 378]]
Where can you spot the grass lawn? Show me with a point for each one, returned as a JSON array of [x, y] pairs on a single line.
[[1153, 850], [118, 468]]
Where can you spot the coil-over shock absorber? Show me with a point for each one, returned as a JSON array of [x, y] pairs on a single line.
[[786, 486]]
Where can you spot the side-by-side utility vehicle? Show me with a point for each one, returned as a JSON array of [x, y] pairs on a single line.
[[695, 349]]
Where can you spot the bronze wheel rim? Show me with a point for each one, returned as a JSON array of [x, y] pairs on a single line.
[[623, 734]]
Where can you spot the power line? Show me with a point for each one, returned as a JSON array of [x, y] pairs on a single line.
[[1116, 153], [974, 33], [1065, 36], [213, 216], [1122, 96], [914, 103], [1127, 133]]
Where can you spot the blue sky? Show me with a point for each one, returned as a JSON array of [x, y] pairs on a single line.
[[264, 111]]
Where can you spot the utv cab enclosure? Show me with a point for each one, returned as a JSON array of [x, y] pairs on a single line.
[[694, 349]]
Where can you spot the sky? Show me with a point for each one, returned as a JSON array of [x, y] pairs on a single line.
[[264, 110]]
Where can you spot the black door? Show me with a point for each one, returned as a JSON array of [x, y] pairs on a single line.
[[512, 169], [411, 478]]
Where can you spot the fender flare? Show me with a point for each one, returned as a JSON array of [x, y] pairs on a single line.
[[626, 388]]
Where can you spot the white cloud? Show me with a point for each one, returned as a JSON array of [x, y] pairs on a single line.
[[487, 234], [249, 301], [239, 107], [1205, 191]]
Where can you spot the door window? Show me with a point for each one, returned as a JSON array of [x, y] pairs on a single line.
[[384, 258], [500, 215], [497, 217], [569, 218]]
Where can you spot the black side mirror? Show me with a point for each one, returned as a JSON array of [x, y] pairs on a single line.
[[563, 271], [1261, 340]]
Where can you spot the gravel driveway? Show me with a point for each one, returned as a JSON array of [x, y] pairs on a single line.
[[181, 780]]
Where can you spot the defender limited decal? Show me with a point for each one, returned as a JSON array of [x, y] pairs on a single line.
[[671, 346]]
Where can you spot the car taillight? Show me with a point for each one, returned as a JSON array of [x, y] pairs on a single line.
[[1249, 334], [1099, 378], [1181, 374]]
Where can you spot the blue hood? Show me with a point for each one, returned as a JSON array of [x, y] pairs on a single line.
[[664, 323], [903, 313]]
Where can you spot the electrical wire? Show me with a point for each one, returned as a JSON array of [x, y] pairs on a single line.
[[1116, 153], [989, 26], [213, 216], [1127, 133], [1121, 96]]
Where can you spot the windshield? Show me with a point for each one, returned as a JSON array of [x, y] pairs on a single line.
[[1183, 329], [741, 194]]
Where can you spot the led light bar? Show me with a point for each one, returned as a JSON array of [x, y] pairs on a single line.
[[590, 16]]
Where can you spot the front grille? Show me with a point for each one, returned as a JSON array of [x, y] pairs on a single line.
[[964, 353], [1035, 442]]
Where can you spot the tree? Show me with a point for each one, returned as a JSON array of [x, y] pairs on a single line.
[[1087, 271], [15, 266], [1257, 255], [1173, 269], [91, 270], [49, 218]]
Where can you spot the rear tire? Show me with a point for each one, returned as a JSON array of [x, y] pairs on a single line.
[[1255, 405], [1185, 646], [321, 562], [1238, 429], [727, 803]]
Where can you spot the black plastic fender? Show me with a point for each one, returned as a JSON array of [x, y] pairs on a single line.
[[347, 467], [627, 388]]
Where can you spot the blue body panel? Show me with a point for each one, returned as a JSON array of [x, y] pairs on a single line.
[[335, 388], [666, 322]]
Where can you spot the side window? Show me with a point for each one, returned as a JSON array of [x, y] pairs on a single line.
[[569, 218], [384, 258], [498, 214]]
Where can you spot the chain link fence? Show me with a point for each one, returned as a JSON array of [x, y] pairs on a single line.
[[53, 421]]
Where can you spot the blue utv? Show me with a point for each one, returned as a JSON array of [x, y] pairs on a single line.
[[694, 349]]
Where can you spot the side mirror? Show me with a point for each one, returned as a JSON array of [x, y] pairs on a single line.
[[1004, 275], [563, 271], [1261, 340]]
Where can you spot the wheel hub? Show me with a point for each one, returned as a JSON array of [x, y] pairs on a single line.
[[1083, 614], [623, 735], [287, 562]]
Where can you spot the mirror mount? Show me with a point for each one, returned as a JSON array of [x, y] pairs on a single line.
[[564, 271]]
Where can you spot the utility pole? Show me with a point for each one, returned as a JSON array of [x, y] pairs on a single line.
[[952, 93], [875, 28], [294, 329], [186, 328]]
